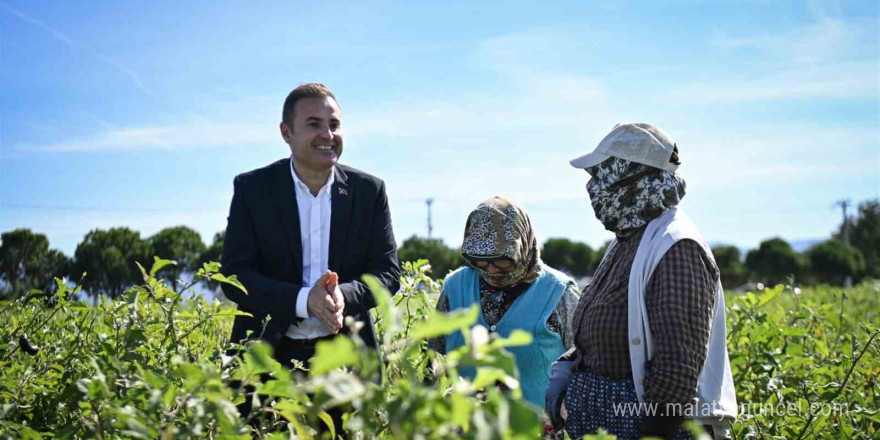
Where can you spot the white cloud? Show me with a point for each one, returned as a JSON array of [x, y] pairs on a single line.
[[830, 57], [199, 131], [134, 76], [839, 81], [813, 43]]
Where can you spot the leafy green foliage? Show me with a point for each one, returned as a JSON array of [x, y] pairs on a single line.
[[26, 262], [443, 259], [151, 364], [108, 258], [213, 253], [182, 244], [774, 262], [573, 257], [729, 261], [865, 235], [805, 363], [832, 261]]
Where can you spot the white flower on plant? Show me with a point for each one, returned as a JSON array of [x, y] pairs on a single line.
[[797, 290], [479, 335], [760, 286]]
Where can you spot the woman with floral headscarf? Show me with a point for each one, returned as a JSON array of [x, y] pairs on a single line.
[[649, 328], [514, 289]]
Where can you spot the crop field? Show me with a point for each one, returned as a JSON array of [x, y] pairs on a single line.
[[153, 364]]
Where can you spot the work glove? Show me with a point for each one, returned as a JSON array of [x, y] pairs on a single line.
[[560, 374], [662, 426]]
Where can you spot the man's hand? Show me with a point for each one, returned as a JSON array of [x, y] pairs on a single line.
[[326, 304], [338, 299]]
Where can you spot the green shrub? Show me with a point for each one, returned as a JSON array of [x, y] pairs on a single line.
[[151, 364]]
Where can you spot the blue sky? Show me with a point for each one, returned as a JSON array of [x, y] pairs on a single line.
[[140, 115]]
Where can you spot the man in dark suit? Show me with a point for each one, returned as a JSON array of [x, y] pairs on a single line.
[[302, 231]]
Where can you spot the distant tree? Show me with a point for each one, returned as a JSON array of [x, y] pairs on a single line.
[[832, 261], [181, 244], [557, 253], [215, 250], [575, 258], [599, 254], [729, 261], [865, 235], [443, 259], [213, 253], [774, 261], [26, 262], [109, 259]]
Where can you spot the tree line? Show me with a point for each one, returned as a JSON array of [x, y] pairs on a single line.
[[773, 262], [107, 257], [104, 262]]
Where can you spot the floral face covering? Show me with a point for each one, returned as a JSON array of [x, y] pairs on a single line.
[[626, 195], [498, 229]]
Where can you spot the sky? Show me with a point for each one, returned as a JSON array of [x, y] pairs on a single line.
[[140, 114]]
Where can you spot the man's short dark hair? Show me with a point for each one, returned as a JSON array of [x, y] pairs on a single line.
[[307, 90]]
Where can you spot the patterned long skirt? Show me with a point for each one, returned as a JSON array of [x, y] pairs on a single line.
[[595, 402]]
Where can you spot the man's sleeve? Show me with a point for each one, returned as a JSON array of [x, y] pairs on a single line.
[[381, 260], [265, 295]]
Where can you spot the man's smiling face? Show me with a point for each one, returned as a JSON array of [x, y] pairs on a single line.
[[316, 141]]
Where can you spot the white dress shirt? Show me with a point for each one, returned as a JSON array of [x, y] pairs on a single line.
[[314, 228]]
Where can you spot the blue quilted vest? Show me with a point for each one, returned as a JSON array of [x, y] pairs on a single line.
[[529, 312]]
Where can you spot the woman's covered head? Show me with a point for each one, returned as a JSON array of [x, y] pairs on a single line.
[[627, 195], [499, 243], [633, 178]]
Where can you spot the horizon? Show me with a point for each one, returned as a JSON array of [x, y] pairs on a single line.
[[125, 115]]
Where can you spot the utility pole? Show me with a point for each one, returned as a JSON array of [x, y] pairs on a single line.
[[844, 204], [844, 233], [429, 202]]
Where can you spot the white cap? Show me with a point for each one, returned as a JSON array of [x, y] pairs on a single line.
[[635, 142]]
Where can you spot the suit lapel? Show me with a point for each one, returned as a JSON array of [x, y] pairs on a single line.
[[284, 198], [340, 205]]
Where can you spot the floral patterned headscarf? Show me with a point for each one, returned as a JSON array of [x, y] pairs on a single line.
[[499, 228], [627, 195]]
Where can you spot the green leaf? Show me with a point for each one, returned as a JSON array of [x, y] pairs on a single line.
[[330, 355], [232, 312], [769, 294], [140, 268], [231, 280], [291, 407], [329, 422], [795, 331], [279, 388], [386, 312], [516, 338], [525, 420], [137, 429], [461, 410], [159, 263], [292, 410], [258, 359], [822, 347], [62, 287], [211, 266], [439, 324], [487, 376]]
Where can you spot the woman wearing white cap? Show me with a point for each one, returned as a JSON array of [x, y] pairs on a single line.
[[650, 329]]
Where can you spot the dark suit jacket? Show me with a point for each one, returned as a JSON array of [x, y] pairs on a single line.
[[263, 248]]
